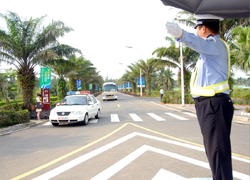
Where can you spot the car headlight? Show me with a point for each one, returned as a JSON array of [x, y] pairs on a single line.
[[53, 113], [76, 112]]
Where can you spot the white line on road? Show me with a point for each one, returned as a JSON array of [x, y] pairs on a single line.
[[190, 114], [158, 118], [112, 170], [163, 174], [83, 158], [135, 117], [176, 116], [114, 118], [144, 148]]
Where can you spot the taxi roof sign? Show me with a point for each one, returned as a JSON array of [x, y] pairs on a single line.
[[77, 92]]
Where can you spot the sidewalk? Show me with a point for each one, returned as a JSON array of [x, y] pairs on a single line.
[[239, 114], [20, 127]]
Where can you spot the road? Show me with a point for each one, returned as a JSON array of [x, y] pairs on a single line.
[[134, 139]]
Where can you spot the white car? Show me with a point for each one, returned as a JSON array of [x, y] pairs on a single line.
[[75, 108]]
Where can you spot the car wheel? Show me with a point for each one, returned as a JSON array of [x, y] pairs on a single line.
[[55, 124], [86, 119], [98, 114]]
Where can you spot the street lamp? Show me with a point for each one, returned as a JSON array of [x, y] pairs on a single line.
[[140, 71], [182, 77]]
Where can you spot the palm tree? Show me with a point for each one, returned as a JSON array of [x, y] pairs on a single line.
[[240, 47], [148, 68], [165, 79], [92, 77], [134, 73], [83, 68], [25, 45], [171, 57]]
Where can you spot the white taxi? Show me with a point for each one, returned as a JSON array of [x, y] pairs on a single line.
[[78, 106]]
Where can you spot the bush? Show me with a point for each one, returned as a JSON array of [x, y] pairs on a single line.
[[54, 98], [11, 118], [241, 96], [14, 105], [164, 99], [247, 98]]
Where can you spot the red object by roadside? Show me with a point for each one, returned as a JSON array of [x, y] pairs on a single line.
[[45, 99]]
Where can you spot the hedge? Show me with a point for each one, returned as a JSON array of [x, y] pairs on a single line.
[[11, 118]]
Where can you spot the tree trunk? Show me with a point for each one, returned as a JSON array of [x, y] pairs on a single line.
[[72, 84], [26, 79], [148, 81], [61, 89], [134, 87]]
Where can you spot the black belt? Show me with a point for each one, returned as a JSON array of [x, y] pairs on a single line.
[[202, 98]]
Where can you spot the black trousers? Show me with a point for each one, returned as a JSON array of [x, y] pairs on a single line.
[[215, 116]]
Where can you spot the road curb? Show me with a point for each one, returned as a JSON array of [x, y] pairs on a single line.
[[20, 127]]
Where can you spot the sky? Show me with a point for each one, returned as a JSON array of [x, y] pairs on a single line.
[[103, 29]]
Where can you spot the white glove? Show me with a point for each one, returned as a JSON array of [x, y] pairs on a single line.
[[173, 29]]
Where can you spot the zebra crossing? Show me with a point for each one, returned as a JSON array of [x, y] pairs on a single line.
[[136, 118], [114, 118]]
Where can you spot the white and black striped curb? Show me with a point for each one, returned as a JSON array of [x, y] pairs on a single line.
[[245, 114]]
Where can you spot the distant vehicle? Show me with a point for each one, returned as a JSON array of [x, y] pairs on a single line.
[[79, 106], [109, 91]]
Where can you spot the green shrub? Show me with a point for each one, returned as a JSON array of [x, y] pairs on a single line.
[[241, 96], [164, 99], [11, 118], [2, 103], [54, 98], [14, 105], [247, 98]]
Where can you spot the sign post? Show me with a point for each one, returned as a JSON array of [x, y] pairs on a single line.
[[78, 84], [141, 83], [90, 86], [45, 84]]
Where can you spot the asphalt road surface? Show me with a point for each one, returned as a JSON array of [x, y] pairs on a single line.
[[134, 139]]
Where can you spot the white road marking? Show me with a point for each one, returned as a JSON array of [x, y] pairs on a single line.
[[165, 106], [114, 118], [176, 116], [135, 117], [190, 114], [93, 121], [83, 158], [115, 168], [158, 118], [134, 155], [167, 175]]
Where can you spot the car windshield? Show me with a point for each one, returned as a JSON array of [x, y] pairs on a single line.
[[109, 87], [74, 100]]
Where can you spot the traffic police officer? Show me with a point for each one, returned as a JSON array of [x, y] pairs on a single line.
[[210, 90]]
